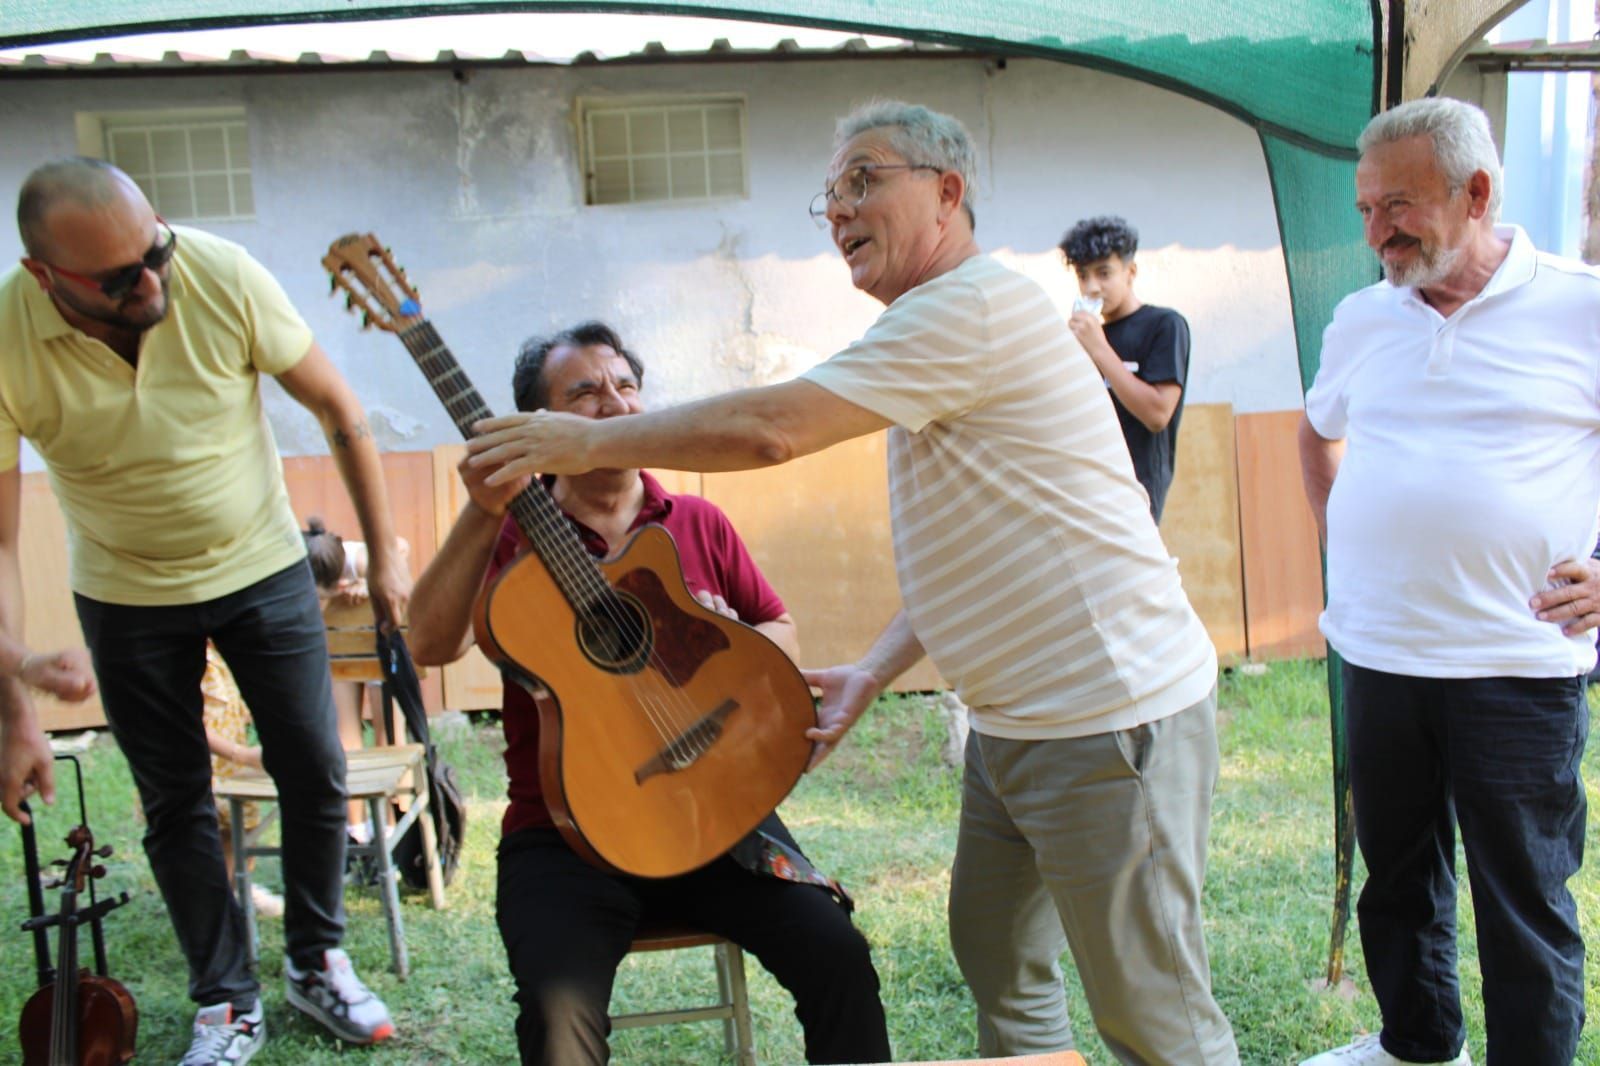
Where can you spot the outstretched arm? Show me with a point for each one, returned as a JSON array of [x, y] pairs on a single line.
[[319, 387], [735, 431]]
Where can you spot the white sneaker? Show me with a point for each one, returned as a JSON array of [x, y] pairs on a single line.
[[268, 904], [1369, 1052], [223, 1039], [335, 996]]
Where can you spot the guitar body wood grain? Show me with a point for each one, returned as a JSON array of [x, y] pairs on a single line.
[[732, 700]]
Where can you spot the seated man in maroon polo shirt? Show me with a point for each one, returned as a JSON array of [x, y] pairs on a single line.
[[566, 924]]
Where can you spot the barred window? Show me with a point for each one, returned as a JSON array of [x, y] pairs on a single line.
[[193, 166], [662, 149]]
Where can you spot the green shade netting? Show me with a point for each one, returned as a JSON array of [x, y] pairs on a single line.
[[1304, 70]]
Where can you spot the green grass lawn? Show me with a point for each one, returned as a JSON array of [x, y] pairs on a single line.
[[881, 816]]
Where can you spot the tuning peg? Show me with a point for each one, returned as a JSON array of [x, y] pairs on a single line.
[[104, 851], [97, 871], [366, 320], [349, 303], [54, 884], [59, 862], [333, 283]]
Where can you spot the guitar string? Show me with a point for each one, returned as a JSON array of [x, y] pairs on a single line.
[[581, 573], [573, 564], [465, 407]]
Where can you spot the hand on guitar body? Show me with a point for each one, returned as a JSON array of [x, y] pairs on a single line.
[[847, 691]]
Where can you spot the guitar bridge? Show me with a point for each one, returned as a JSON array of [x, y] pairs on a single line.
[[682, 751]]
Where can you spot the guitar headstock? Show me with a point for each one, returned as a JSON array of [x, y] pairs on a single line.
[[364, 269]]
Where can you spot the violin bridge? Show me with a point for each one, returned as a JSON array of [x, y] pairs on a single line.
[[682, 751]]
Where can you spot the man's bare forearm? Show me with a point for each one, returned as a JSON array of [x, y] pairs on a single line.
[[360, 466], [441, 602], [896, 650]]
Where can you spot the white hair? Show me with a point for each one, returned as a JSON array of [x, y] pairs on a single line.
[[1462, 141], [919, 135]]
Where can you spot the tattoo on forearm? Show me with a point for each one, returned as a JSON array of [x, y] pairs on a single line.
[[357, 432]]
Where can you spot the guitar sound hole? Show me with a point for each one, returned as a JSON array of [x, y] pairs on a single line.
[[614, 634]]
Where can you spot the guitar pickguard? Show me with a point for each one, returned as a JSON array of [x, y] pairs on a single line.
[[683, 642]]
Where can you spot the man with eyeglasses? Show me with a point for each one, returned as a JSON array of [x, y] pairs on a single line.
[[132, 362], [1032, 574]]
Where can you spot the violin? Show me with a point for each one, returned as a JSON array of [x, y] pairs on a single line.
[[80, 1018]]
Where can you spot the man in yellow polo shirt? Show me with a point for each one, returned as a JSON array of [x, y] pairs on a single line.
[[131, 356]]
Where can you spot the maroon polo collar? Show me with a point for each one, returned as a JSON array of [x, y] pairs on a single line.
[[655, 507]]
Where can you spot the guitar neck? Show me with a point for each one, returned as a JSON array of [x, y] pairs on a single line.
[[540, 519]]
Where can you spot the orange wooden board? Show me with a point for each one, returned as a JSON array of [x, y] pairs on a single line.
[[819, 529], [1282, 563], [50, 620], [1201, 525], [316, 489]]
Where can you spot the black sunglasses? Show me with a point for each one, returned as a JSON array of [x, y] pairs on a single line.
[[123, 280]]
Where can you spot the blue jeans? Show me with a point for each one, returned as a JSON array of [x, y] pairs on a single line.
[[149, 661], [1500, 757]]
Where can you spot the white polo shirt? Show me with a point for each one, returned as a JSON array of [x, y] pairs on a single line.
[[1473, 466]]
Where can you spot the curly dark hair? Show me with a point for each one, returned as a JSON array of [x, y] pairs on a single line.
[[1099, 238], [527, 379]]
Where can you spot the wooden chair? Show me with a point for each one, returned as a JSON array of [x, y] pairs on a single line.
[[733, 998], [375, 776]]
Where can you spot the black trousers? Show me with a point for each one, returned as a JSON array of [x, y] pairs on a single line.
[[149, 661], [1500, 757], [567, 926]]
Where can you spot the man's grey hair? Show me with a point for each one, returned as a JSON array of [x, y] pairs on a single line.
[[920, 136], [1462, 141]]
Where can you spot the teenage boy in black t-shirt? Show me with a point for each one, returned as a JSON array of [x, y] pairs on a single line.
[[1142, 351]]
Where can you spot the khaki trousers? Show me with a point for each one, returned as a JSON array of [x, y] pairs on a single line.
[[1097, 844]]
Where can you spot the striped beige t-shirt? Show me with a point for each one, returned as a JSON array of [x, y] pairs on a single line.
[[1030, 568]]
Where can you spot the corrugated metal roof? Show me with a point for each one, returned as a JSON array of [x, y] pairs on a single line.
[[47, 62]]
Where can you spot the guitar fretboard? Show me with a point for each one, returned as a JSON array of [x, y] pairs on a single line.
[[541, 521]]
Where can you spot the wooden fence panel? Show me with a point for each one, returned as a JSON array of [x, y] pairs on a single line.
[[1201, 525], [50, 621], [1282, 563], [819, 529], [316, 489]]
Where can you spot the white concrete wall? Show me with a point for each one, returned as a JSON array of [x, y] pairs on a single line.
[[475, 185]]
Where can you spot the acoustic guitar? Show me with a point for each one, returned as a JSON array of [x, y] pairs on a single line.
[[669, 731]]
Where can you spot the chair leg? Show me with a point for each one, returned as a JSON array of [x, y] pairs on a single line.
[[390, 891], [241, 878], [738, 1031]]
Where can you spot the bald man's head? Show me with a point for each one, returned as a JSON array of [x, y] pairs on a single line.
[[76, 180]]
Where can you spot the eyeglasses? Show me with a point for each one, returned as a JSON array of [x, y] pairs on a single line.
[[116, 284], [852, 187]]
